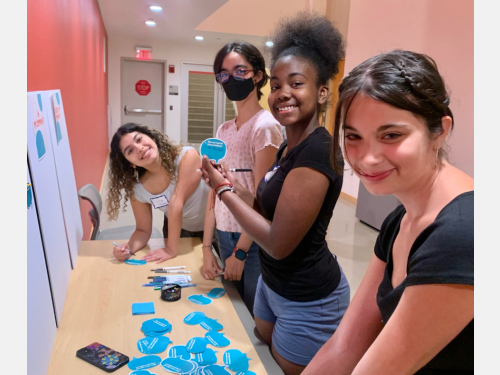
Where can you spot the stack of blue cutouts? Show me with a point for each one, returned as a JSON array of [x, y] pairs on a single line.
[[156, 327], [198, 317], [201, 299], [236, 360]]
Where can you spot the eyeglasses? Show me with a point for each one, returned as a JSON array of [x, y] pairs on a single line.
[[238, 74]]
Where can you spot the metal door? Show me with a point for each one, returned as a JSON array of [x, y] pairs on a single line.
[[142, 91]]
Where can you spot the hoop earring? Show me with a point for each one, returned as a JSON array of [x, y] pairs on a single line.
[[136, 174]]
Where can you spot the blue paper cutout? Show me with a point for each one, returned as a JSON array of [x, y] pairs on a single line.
[[206, 358], [141, 372], [179, 351], [144, 362], [156, 325], [214, 148], [200, 299], [194, 318], [153, 345], [197, 345], [246, 373], [199, 371], [236, 360], [58, 132], [217, 339], [179, 365], [39, 97], [57, 98], [211, 324], [30, 195], [143, 308], [216, 293], [155, 334], [135, 262], [215, 370], [40, 144]]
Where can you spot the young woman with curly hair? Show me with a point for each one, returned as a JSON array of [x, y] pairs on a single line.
[[154, 173], [302, 293]]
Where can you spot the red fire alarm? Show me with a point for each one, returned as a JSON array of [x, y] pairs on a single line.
[[171, 68]]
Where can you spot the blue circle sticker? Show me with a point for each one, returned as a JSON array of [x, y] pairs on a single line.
[[214, 148]]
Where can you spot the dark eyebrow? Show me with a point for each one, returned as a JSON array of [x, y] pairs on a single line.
[[125, 149], [380, 128], [236, 67], [290, 75]]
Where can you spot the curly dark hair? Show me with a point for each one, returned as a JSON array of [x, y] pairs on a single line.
[[312, 37], [251, 54], [403, 79], [121, 173]]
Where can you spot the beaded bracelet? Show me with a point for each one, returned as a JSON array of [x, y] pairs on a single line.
[[223, 190]]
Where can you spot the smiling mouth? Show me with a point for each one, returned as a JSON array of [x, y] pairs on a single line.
[[286, 109], [375, 177], [146, 153]]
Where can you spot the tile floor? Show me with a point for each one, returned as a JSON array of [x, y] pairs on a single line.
[[348, 238]]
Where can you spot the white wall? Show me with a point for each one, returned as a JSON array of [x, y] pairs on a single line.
[[174, 53]]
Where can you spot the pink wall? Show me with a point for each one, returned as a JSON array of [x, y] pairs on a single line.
[[66, 52], [442, 29]]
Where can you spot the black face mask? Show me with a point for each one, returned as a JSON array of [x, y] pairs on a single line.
[[238, 90]]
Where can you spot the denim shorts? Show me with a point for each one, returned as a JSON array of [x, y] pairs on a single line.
[[301, 328]]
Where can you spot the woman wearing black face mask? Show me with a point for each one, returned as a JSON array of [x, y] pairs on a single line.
[[252, 139]]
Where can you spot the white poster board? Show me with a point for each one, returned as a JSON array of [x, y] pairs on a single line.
[[46, 193], [56, 124], [41, 318]]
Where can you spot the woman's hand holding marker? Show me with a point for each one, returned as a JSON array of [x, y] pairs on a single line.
[[121, 252], [210, 174]]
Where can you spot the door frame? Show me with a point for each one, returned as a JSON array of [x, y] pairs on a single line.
[[163, 89], [219, 100]]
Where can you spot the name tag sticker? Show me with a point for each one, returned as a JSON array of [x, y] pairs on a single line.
[[159, 202], [270, 175]]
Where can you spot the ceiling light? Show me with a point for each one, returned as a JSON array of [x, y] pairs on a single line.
[[155, 8], [269, 43], [198, 37], [150, 23]]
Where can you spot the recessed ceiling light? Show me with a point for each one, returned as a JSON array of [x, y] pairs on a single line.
[[198, 37], [269, 43], [155, 8], [150, 23]]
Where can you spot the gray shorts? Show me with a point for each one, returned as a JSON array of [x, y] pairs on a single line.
[[301, 328]]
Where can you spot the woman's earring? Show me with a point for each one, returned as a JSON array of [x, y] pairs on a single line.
[[136, 174], [437, 158]]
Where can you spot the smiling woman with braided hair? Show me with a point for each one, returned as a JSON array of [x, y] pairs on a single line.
[[414, 310]]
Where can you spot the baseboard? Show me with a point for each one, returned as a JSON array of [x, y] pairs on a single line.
[[348, 197]]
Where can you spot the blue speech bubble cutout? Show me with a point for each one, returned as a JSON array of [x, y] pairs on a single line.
[[179, 365], [141, 372], [236, 360], [157, 325], [40, 144], [199, 371], [194, 318], [154, 333], [143, 363], [216, 293], [197, 345], [217, 339], [214, 148], [135, 262], [153, 345], [200, 299], [211, 324], [179, 351], [215, 370], [206, 358]]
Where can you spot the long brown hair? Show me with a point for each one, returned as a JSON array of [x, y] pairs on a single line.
[[121, 172]]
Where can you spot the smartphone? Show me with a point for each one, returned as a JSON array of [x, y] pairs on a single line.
[[102, 357]]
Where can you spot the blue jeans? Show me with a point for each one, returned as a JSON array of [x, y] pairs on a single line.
[[248, 284]]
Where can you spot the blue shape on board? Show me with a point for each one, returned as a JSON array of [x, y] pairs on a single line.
[[39, 97], [153, 345], [194, 318], [144, 362], [197, 345], [216, 293], [30, 196], [135, 262], [179, 351], [58, 132], [236, 360], [179, 365], [155, 334], [57, 98], [199, 371], [40, 144], [156, 325], [214, 148], [143, 308], [246, 373], [211, 324], [217, 339], [141, 372], [215, 370], [200, 299], [206, 358]]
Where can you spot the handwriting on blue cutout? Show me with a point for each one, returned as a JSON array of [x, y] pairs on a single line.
[[144, 362], [200, 299], [216, 293], [179, 351], [194, 318], [214, 148], [217, 339], [179, 365], [197, 345]]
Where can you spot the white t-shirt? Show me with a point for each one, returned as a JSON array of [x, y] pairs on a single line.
[[193, 214]]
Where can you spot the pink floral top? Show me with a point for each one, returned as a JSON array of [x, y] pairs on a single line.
[[260, 131]]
